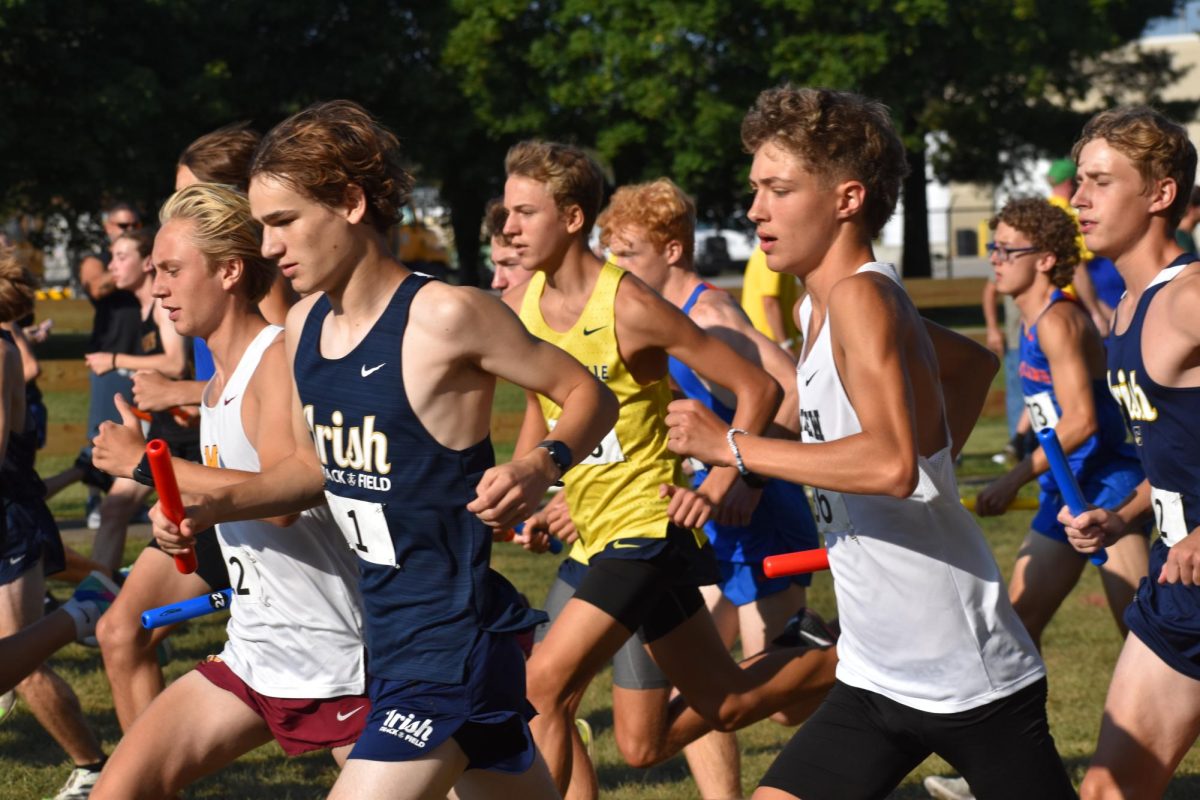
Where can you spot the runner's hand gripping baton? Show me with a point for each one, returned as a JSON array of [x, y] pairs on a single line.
[[507, 534], [168, 496], [1068, 487], [796, 563], [187, 609]]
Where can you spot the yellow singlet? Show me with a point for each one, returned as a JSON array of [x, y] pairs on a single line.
[[613, 493]]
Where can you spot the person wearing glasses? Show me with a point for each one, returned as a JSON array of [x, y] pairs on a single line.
[[1062, 379]]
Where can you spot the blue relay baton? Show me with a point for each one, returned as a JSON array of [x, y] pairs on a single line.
[[1068, 487], [556, 545], [187, 609]]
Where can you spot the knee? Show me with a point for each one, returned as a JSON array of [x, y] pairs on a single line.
[[545, 688], [638, 750], [1100, 784], [120, 636]]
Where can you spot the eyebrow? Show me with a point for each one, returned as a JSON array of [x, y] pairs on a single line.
[[275, 216]]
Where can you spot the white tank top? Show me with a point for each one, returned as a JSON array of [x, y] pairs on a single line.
[[925, 615], [295, 626]]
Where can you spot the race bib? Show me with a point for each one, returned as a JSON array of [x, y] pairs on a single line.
[[1041, 411], [607, 452], [830, 510], [244, 577], [1168, 515], [365, 527]]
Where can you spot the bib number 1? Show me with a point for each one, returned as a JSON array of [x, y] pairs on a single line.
[[365, 528]]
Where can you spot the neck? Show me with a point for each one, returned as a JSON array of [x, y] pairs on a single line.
[[1033, 300], [240, 323], [1143, 261], [144, 292], [680, 282], [369, 283], [848, 252], [576, 272]]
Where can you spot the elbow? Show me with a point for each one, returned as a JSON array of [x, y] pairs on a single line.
[[899, 478], [284, 521]]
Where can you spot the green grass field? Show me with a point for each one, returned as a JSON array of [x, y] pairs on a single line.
[[1081, 646]]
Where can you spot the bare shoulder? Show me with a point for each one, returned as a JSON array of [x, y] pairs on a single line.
[[299, 312], [273, 373], [718, 308], [1183, 300], [639, 307], [441, 306], [865, 295], [1064, 320]]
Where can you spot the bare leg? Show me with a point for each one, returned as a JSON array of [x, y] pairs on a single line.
[[56, 483], [1151, 719], [191, 730], [130, 658], [118, 507], [48, 696], [1128, 562], [79, 567], [1045, 573], [534, 783], [428, 778], [714, 759], [24, 651]]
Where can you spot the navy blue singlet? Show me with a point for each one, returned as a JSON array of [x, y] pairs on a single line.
[[18, 478], [1163, 419], [400, 498]]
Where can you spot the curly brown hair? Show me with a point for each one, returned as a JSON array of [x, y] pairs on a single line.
[[1158, 147], [495, 216], [1049, 228], [330, 146], [837, 136], [18, 287], [223, 156], [571, 175]]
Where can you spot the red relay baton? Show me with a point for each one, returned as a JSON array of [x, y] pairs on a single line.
[[796, 563], [168, 495]]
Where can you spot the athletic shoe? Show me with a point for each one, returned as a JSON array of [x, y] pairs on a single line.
[[79, 785], [8, 701], [807, 629], [585, 733], [92, 598], [948, 788]]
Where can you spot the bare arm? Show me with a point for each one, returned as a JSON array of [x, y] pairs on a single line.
[[966, 370], [995, 334], [30, 367], [773, 313], [869, 334]]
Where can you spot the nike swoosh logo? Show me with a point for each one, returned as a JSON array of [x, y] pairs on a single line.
[[367, 372], [623, 546], [808, 380], [590, 331], [16, 560], [229, 400], [343, 717]]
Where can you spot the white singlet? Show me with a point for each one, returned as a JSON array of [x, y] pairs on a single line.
[[295, 626], [925, 615]]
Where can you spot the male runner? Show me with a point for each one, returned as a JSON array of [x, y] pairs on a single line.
[[649, 230], [395, 375], [932, 656], [1137, 170], [627, 499], [1062, 374], [506, 266], [293, 667]]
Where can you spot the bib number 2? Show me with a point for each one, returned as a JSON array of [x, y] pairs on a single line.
[[1168, 515]]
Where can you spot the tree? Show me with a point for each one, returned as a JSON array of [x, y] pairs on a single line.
[[658, 87]]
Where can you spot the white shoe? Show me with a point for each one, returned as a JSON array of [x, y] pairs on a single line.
[[948, 788], [93, 519], [78, 786]]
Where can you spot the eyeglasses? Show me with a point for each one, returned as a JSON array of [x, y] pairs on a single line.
[[1006, 254]]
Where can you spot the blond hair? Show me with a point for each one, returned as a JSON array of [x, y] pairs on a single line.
[[571, 175], [223, 230], [837, 136], [18, 287], [659, 207], [1158, 148]]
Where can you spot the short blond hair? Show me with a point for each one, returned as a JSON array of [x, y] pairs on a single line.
[[18, 287], [223, 229], [571, 175], [1158, 147], [659, 207]]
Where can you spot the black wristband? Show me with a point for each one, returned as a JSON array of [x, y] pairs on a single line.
[[753, 481], [142, 474]]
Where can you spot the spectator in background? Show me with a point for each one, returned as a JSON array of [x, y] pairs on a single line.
[[506, 264], [768, 298], [1184, 236]]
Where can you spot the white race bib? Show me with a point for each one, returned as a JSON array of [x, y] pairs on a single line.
[[365, 527], [607, 452], [243, 575], [1168, 515], [1041, 411], [830, 511]]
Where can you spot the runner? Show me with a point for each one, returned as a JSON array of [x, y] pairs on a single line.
[[394, 376], [932, 656], [1137, 170], [293, 666], [627, 499]]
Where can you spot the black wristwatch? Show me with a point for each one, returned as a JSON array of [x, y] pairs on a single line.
[[560, 454]]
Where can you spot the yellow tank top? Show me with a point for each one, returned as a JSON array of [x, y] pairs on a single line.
[[613, 493]]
